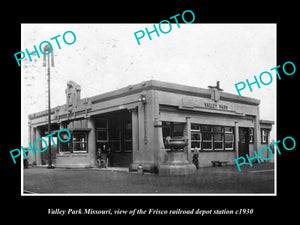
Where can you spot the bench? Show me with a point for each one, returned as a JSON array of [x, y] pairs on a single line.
[[219, 163]]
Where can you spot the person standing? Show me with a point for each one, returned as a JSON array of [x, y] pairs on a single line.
[[196, 158], [98, 156]]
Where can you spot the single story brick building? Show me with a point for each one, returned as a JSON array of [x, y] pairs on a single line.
[[135, 121]]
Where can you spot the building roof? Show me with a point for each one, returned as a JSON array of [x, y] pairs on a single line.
[[172, 87], [160, 86]]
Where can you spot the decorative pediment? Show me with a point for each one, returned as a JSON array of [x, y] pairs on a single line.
[[72, 95]]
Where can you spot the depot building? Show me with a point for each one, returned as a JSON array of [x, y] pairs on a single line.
[[135, 121]]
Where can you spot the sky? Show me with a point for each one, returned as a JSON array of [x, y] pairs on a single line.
[[107, 57]]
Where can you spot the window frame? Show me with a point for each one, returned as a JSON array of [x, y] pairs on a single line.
[[213, 130], [266, 135], [128, 127], [222, 140], [199, 141], [102, 129], [75, 142], [71, 143], [211, 141], [233, 139], [251, 135], [168, 127]]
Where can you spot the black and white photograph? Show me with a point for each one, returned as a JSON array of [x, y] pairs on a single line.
[[159, 116], [138, 112]]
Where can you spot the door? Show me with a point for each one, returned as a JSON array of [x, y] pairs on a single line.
[[243, 141]]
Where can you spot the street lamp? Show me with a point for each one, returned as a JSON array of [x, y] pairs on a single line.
[[47, 51]]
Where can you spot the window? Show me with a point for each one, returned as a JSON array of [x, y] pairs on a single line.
[[195, 127], [114, 133], [128, 136], [115, 139], [195, 136], [65, 147], [172, 129], [228, 129], [79, 142], [102, 133], [229, 138], [166, 131], [207, 137], [218, 138], [178, 129], [206, 128], [251, 135], [196, 141], [264, 136]]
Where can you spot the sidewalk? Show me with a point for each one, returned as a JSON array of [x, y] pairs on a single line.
[[256, 179]]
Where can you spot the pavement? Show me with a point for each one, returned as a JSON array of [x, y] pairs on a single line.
[[258, 179]]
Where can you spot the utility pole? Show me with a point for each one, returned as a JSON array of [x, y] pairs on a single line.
[[48, 49]]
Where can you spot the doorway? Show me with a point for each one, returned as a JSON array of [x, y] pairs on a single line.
[[243, 141], [114, 132]]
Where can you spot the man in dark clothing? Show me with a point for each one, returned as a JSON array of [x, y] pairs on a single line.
[[196, 158]]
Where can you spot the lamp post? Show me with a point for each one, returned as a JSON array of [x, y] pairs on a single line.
[[47, 51]]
